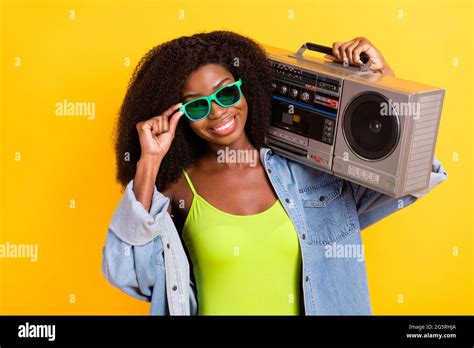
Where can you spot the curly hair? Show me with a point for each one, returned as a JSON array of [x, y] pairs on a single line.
[[157, 82]]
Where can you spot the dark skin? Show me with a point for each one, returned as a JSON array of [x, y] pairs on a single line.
[[235, 188]]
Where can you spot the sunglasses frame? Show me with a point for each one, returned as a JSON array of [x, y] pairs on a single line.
[[211, 98]]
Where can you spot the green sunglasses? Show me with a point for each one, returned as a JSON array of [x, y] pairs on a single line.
[[200, 108]]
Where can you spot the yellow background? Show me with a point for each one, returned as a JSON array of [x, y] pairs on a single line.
[[419, 261]]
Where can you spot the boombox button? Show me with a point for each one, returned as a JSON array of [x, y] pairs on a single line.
[[318, 159]]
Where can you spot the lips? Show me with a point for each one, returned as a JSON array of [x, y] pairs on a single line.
[[226, 126]]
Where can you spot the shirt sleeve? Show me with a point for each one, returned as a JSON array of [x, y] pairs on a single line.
[[132, 257], [373, 206], [132, 223]]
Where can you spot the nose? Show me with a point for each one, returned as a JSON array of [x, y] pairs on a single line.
[[217, 111]]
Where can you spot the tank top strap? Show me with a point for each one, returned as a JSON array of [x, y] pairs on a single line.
[[189, 182]]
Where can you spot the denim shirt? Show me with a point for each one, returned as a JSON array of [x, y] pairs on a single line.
[[145, 257]]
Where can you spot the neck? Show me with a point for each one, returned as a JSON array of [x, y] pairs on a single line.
[[241, 148]]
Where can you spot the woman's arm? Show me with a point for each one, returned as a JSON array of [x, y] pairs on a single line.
[[133, 258], [373, 206], [144, 181]]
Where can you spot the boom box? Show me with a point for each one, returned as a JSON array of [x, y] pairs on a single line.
[[372, 129]]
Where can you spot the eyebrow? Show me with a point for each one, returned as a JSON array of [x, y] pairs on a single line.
[[213, 88]]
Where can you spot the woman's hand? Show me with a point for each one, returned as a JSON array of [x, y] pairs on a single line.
[[350, 52], [157, 133]]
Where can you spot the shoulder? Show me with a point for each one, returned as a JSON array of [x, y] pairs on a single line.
[[300, 174], [173, 191], [181, 196]]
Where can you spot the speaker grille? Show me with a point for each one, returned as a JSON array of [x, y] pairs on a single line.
[[424, 137], [370, 134]]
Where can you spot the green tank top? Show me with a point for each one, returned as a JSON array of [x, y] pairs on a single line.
[[243, 264]]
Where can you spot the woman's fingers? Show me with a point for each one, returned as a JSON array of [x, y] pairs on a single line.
[[161, 123], [170, 110], [157, 133], [353, 59], [164, 124], [350, 51], [362, 47], [330, 56], [335, 50], [173, 121], [343, 51]]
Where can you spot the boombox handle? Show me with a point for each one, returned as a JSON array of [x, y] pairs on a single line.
[[324, 49]]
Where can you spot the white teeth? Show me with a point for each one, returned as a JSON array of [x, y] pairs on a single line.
[[227, 125]]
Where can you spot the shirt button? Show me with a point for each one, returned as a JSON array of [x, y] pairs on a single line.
[[321, 198], [269, 170], [306, 278], [303, 236], [168, 245], [174, 288], [287, 200]]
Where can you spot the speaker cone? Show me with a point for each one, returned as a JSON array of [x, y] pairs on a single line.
[[371, 134]]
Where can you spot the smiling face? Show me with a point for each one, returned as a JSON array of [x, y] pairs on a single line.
[[223, 126]]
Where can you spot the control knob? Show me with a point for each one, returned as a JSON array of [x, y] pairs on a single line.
[[305, 96]]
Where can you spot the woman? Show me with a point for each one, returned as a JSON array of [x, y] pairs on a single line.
[[256, 234]]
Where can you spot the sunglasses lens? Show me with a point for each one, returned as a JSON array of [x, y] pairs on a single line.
[[197, 109], [228, 95], [200, 108]]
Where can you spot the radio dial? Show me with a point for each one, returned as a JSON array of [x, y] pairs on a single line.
[[283, 89], [305, 96], [294, 92]]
